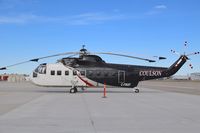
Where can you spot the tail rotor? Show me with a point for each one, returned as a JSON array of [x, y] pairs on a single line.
[[186, 55]]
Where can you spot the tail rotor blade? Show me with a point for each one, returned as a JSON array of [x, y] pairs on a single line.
[[194, 53], [191, 66], [173, 51], [3, 68], [185, 46]]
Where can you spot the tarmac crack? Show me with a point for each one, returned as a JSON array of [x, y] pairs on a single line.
[[89, 114]]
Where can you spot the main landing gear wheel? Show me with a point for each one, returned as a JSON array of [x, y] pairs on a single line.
[[137, 90], [73, 90]]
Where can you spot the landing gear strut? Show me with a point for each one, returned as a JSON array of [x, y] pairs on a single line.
[[73, 90]]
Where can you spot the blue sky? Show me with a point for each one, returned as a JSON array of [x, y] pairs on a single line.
[[35, 28]]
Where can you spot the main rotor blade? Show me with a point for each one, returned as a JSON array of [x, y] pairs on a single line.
[[66, 53], [160, 57], [37, 59], [134, 57], [4, 68]]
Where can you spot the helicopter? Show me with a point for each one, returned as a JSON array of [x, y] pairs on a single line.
[[90, 70]]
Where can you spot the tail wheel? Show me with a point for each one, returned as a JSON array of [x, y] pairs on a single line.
[[137, 90]]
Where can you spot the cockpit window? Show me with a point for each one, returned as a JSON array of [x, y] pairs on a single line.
[[41, 69]]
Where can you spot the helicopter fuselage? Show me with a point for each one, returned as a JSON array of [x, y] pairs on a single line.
[[91, 70]]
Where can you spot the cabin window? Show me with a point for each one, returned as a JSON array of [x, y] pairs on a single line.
[[74, 72], [106, 74], [52, 72], [83, 73], [114, 74], [98, 73], [59, 73], [66, 73], [90, 73]]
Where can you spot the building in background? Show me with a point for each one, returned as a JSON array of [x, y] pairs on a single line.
[[13, 77], [181, 77], [195, 76], [3, 77]]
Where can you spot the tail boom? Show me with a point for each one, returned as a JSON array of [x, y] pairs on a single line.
[[158, 72]]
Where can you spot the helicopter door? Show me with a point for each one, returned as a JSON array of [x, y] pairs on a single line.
[[121, 76]]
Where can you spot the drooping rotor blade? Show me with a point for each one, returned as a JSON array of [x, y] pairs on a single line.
[[37, 59], [134, 57], [50, 56], [4, 68], [160, 57]]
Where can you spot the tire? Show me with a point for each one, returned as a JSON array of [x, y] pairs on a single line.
[[137, 90], [73, 90]]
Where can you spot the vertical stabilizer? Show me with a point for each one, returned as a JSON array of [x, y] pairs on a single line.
[[176, 66]]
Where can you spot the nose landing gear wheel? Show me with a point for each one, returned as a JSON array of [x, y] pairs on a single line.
[[73, 90]]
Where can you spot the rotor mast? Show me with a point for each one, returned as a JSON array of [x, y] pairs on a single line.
[[83, 51]]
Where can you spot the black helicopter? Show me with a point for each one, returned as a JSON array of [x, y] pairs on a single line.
[[93, 68]]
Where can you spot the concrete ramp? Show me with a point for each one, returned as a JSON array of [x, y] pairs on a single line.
[[52, 110]]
